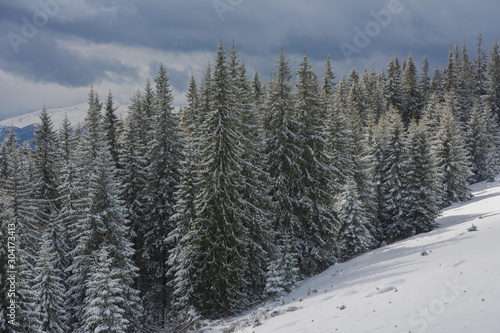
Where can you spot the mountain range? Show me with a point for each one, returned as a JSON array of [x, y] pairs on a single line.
[[25, 124]]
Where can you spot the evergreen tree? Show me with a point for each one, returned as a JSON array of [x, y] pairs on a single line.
[[451, 72], [480, 70], [452, 159], [283, 156], [493, 130], [353, 236], [424, 84], [317, 219], [422, 181], [494, 80], [328, 86], [466, 84], [104, 224], [437, 84], [482, 144], [133, 178], [213, 262], [394, 188], [258, 91], [185, 195], [282, 272], [112, 128], [255, 201], [104, 310], [410, 93], [477, 144], [45, 159], [377, 145], [50, 290], [393, 89], [70, 189], [163, 158]]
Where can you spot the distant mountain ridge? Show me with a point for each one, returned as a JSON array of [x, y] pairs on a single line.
[[25, 124]]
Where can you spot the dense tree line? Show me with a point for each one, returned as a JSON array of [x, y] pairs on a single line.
[[152, 222]]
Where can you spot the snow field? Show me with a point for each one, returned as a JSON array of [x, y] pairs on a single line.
[[447, 280]]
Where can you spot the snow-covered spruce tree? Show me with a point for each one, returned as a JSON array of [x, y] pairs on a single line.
[[282, 272], [480, 70], [49, 289], [424, 85], [377, 154], [394, 187], [315, 212], [283, 155], [164, 153], [104, 224], [112, 128], [494, 80], [70, 191], [47, 163], [422, 181], [410, 93], [21, 209], [328, 86], [393, 88], [478, 144], [493, 130], [255, 201], [437, 84], [186, 192], [133, 169], [104, 310], [359, 120], [182, 236], [76, 201], [214, 255], [339, 137], [451, 72], [452, 159], [45, 159], [353, 237], [483, 143], [259, 94], [466, 84], [376, 103]]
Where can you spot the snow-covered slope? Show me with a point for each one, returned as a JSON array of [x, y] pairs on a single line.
[[76, 114], [24, 124], [447, 280]]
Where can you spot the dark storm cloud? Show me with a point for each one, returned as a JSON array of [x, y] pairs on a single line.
[[259, 27], [39, 58]]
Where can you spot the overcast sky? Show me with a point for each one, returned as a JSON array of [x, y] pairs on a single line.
[[51, 50]]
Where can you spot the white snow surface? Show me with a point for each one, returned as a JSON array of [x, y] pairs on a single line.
[[76, 114], [447, 280]]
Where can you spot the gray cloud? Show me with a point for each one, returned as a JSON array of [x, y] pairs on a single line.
[[261, 28]]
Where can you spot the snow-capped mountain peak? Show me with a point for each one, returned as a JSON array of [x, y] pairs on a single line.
[[76, 114]]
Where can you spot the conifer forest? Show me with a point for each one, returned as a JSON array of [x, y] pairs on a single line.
[[155, 221]]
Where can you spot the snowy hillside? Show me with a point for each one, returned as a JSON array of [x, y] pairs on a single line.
[[24, 124], [76, 114], [447, 280]]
